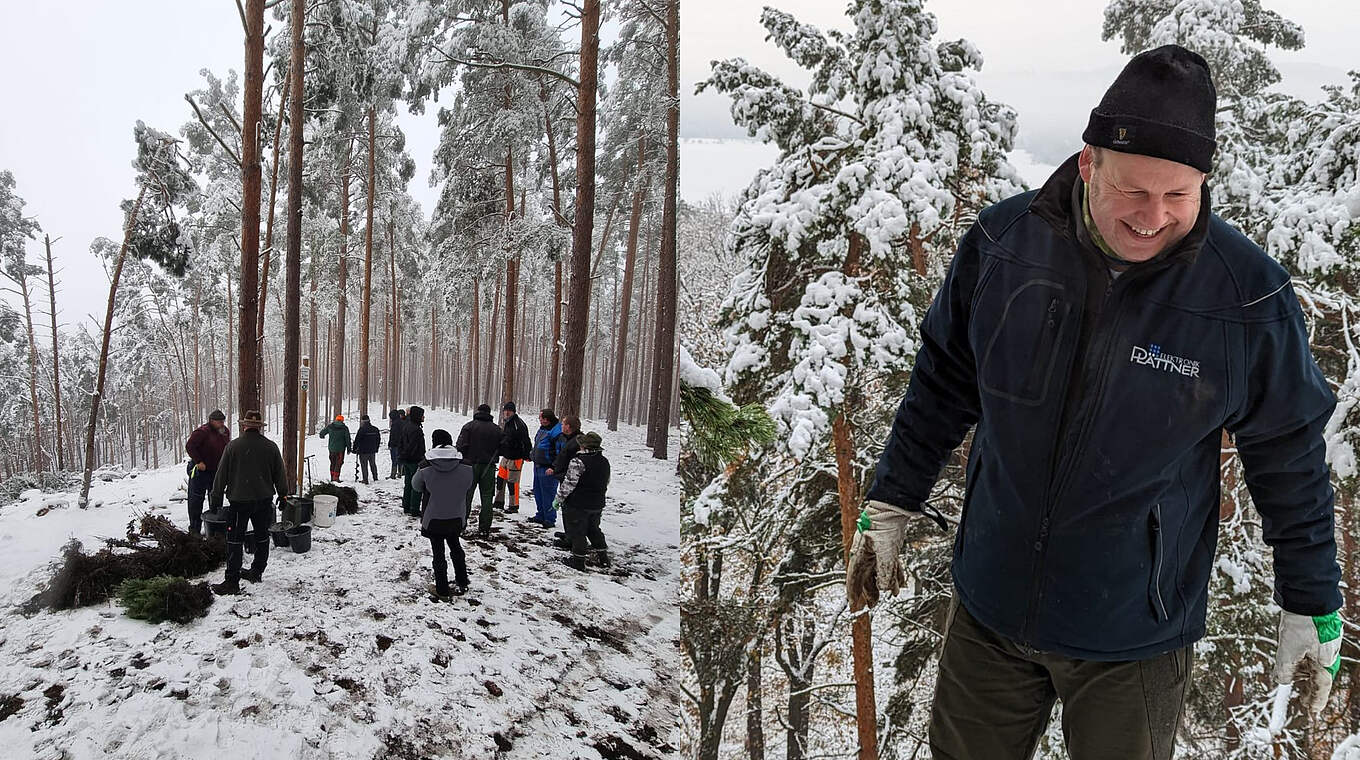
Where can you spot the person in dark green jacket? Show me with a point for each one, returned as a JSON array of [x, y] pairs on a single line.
[[249, 474], [338, 433]]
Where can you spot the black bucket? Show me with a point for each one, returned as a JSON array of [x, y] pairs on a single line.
[[297, 510], [278, 532], [300, 538], [214, 525]]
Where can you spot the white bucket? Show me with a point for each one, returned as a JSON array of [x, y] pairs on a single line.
[[323, 510]]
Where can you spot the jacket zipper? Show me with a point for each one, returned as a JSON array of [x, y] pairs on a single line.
[[1157, 555], [1063, 464]]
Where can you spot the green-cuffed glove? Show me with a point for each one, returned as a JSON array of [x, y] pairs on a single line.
[[874, 565], [1316, 639]]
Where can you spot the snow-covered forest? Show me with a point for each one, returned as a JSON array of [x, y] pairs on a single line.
[[273, 257], [545, 274], [834, 254]]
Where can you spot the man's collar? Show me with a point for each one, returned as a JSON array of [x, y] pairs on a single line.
[[1059, 203]]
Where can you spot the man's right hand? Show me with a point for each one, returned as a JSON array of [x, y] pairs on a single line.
[[874, 564], [200, 467]]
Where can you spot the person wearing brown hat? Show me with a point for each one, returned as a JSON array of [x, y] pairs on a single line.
[[204, 447], [250, 475], [1102, 333]]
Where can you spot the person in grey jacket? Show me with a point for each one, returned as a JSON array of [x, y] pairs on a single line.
[[445, 483]]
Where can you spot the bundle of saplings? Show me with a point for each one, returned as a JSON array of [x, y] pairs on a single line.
[[347, 499], [165, 597], [159, 548]]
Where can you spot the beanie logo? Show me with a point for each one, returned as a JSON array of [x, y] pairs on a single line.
[[1122, 135]]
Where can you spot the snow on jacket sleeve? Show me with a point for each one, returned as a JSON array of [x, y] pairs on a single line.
[[942, 396], [1278, 429]]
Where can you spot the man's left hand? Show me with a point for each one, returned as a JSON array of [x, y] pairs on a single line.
[[1314, 641]]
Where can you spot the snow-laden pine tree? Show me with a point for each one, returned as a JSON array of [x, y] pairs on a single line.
[[1286, 174], [884, 162]]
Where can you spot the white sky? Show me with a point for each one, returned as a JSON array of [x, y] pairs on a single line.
[[1043, 57], [85, 71]]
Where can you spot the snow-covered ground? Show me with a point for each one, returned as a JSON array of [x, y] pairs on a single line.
[[341, 653]]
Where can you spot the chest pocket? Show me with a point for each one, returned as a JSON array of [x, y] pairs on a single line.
[[1020, 354]]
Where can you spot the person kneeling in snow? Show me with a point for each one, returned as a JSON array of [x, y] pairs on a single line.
[[249, 474], [581, 499], [445, 483]]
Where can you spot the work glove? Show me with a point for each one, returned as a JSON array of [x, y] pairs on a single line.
[[874, 565], [1316, 639]]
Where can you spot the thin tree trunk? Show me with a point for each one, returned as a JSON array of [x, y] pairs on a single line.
[[269, 233], [368, 261], [476, 351], [338, 353], [491, 355], [56, 362], [616, 391], [21, 279], [104, 351], [848, 488], [755, 718], [394, 385], [551, 399], [248, 396], [314, 392], [198, 385], [663, 367]]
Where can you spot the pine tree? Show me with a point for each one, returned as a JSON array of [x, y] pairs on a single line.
[[884, 162]]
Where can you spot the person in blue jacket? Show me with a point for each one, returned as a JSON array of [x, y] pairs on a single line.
[[1101, 333], [547, 445]]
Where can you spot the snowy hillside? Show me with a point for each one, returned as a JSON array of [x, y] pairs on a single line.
[[341, 653]]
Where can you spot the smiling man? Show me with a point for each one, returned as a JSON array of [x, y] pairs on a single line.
[[1101, 333]]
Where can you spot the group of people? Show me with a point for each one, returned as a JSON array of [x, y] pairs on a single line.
[[570, 475], [249, 472]]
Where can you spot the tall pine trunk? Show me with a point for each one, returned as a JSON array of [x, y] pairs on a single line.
[[248, 395], [578, 312], [368, 262], [292, 315], [663, 366]]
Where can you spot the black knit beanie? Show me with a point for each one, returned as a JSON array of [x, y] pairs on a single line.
[[1161, 105], [441, 437]]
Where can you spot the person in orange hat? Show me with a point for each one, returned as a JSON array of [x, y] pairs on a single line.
[[338, 434]]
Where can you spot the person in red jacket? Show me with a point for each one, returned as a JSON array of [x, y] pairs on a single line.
[[205, 447]]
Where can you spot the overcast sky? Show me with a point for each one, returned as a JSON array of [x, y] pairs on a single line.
[[1043, 57], [84, 72]]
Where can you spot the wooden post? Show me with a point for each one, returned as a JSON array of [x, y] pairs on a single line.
[[304, 378]]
